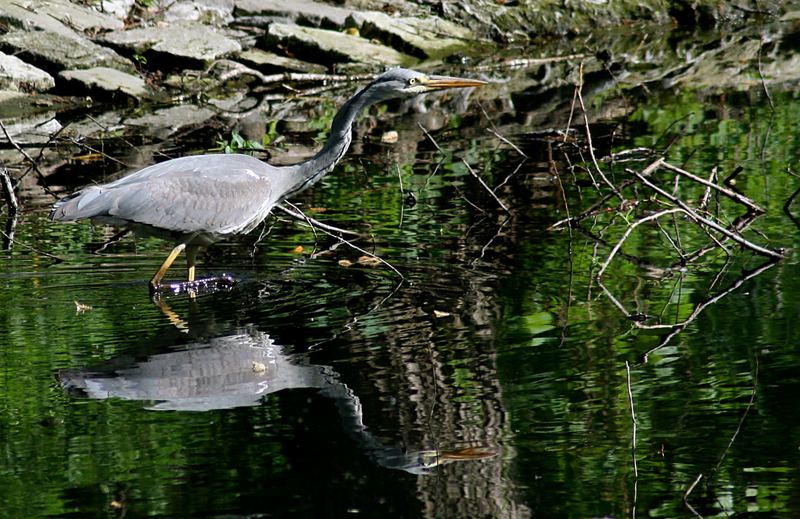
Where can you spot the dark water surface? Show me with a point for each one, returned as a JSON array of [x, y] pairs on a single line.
[[491, 382]]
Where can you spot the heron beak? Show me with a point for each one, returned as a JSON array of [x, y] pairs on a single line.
[[441, 82]]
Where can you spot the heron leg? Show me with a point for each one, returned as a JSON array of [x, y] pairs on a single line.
[[156, 281], [191, 256]]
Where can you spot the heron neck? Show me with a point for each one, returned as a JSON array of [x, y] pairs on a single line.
[[311, 171]]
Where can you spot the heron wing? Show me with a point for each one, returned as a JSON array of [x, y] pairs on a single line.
[[219, 194]]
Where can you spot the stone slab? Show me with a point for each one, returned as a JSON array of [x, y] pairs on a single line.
[[108, 80], [56, 50], [167, 121], [308, 11], [15, 74], [205, 11], [33, 129], [17, 16], [61, 16], [428, 37], [262, 59], [119, 8], [183, 40], [333, 46]]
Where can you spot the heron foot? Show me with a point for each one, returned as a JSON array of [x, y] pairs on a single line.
[[193, 288]]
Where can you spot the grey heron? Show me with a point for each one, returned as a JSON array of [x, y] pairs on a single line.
[[198, 200]]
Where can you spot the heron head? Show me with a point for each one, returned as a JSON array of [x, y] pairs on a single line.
[[400, 82]]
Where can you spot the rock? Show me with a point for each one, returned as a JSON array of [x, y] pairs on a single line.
[[15, 15], [168, 121], [59, 51], [320, 44], [15, 74], [428, 37], [303, 11], [189, 40], [267, 61], [207, 11], [97, 126], [118, 8], [60, 16], [108, 80], [33, 128]]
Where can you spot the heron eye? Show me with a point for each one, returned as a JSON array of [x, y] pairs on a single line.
[[412, 81]]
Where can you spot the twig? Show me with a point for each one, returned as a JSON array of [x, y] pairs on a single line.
[[689, 491], [311, 221], [589, 137], [429, 136], [707, 193], [571, 114], [8, 193], [552, 165], [30, 161], [237, 69], [371, 255], [99, 152], [705, 221], [591, 211], [528, 62], [352, 322], [728, 181], [34, 249], [400, 179], [507, 142], [489, 189], [761, 76], [324, 228], [496, 234], [628, 232], [633, 418], [673, 123], [725, 191], [789, 201], [741, 422], [508, 177], [13, 208], [677, 328]]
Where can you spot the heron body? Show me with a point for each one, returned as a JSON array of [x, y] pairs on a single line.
[[201, 199]]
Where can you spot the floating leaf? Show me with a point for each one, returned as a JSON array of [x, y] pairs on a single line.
[[389, 137], [80, 307], [369, 261]]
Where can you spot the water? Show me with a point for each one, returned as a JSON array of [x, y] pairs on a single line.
[[489, 382]]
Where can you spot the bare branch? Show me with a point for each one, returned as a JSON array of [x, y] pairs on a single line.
[[489, 189]]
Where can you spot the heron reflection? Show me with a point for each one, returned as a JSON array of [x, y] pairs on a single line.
[[238, 370]]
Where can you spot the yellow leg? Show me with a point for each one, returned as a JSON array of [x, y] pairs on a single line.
[[156, 281], [191, 255]]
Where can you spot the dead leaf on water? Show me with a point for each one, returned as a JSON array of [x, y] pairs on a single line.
[[259, 367], [298, 249], [80, 307], [345, 263], [439, 314], [89, 157], [390, 137], [317, 209], [369, 261]]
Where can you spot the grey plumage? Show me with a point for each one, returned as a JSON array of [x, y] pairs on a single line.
[[176, 197], [198, 200]]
